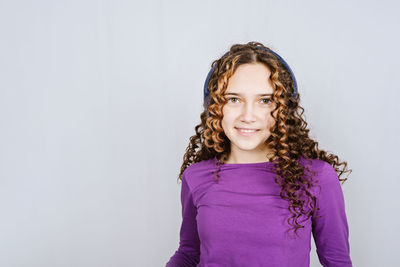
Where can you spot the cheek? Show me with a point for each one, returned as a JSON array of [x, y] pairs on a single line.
[[226, 122], [269, 119], [227, 118]]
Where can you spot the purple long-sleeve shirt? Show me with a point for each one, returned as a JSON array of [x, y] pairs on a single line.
[[242, 220]]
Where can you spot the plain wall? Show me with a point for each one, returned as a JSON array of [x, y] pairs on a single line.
[[98, 100]]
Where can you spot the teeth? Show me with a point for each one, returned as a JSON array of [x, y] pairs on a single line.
[[247, 131]]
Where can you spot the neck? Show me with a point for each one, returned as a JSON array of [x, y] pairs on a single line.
[[248, 158]]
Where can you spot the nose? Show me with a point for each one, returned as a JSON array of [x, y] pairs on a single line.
[[247, 113]]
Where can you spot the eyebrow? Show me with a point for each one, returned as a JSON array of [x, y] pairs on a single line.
[[241, 94]]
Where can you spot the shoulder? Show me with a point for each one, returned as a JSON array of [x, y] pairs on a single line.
[[323, 172], [199, 172]]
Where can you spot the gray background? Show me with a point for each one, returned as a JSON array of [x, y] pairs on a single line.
[[98, 100]]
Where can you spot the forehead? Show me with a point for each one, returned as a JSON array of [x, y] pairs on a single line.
[[250, 79]]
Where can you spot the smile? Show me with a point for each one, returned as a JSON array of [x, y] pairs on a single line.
[[246, 132]]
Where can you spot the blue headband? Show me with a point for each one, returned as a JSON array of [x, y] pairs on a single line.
[[206, 93]]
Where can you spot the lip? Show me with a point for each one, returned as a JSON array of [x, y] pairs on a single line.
[[247, 134]]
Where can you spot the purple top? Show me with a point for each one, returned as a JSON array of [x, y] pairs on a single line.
[[242, 220]]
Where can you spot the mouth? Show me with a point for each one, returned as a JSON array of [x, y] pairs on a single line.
[[247, 131]]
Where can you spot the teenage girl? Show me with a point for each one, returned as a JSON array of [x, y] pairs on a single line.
[[255, 185]]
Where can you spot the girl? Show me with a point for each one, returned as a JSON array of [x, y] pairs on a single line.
[[252, 171]]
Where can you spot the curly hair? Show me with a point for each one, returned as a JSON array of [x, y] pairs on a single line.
[[289, 139]]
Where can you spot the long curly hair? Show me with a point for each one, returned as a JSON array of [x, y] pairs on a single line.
[[289, 138]]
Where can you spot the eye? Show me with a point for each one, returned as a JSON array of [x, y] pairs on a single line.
[[266, 100], [229, 99]]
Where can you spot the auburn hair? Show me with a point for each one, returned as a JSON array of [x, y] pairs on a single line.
[[289, 139]]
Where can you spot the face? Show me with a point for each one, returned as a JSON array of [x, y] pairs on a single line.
[[249, 106]]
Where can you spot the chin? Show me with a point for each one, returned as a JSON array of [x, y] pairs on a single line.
[[247, 145]]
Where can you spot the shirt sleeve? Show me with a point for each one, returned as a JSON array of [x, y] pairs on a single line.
[[188, 253], [331, 231]]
